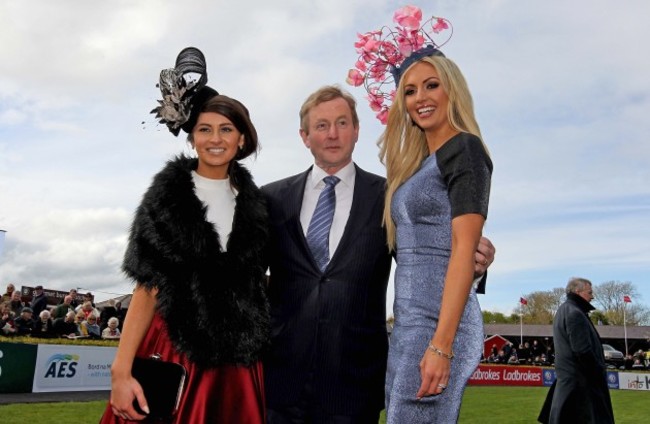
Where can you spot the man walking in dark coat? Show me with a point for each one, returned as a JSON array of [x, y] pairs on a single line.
[[579, 393]]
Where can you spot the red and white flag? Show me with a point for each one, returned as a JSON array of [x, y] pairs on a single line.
[[523, 301], [627, 299]]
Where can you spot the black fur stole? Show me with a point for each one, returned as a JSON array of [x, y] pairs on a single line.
[[213, 302]]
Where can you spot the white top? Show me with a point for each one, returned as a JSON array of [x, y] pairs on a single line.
[[344, 192], [219, 197]]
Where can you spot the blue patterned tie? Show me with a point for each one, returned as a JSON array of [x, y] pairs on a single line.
[[318, 234]]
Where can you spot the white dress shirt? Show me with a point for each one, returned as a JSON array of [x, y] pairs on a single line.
[[344, 192]]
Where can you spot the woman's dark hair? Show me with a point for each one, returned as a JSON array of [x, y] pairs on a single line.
[[237, 113]]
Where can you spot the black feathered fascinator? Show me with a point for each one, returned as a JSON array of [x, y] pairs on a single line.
[[184, 91]]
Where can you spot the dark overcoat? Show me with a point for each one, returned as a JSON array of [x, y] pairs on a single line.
[[580, 393]]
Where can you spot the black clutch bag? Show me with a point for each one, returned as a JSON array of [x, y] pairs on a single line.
[[162, 383]]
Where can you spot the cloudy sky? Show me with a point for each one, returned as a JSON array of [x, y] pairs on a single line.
[[561, 89]]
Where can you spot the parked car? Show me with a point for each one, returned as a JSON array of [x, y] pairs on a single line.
[[613, 356]]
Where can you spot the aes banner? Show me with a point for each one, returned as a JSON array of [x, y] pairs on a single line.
[[17, 367], [64, 368], [503, 375]]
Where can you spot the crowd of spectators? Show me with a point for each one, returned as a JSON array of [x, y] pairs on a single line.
[[525, 354], [638, 360], [536, 354], [69, 319]]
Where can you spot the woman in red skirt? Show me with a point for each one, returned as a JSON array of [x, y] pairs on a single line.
[[195, 252]]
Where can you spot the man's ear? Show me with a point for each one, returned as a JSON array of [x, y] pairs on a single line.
[[305, 138]]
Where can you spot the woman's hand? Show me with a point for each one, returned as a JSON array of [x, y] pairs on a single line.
[[125, 388], [123, 391], [434, 372]]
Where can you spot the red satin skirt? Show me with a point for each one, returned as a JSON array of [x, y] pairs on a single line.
[[226, 394]]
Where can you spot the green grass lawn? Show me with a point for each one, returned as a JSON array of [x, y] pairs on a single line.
[[484, 405]]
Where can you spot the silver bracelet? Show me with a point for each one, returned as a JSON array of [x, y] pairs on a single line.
[[440, 352]]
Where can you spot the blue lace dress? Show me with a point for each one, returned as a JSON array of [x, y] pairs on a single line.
[[453, 181]]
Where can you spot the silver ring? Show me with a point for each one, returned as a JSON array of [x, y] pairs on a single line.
[[442, 386]]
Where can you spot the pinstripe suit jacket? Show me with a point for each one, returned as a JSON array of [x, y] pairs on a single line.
[[329, 324]]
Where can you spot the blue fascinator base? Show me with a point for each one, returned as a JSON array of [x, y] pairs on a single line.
[[398, 71]]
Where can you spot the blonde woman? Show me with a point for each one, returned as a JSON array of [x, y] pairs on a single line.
[[89, 327], [437, 191], [438, 183]]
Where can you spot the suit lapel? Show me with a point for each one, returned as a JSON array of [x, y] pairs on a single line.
[[294, 194]]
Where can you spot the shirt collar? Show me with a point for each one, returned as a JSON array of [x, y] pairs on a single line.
[[345, 174]]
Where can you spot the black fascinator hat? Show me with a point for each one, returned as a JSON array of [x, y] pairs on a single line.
[[184, 91]]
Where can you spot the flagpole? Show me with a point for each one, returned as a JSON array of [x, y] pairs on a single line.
[[625, 327], [523, 303], [521, 329], [2, 240]]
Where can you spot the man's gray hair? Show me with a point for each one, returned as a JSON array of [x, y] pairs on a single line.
[[577, 284]]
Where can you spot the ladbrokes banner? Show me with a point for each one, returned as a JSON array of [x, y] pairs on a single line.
[[502, 375], [64, 368]]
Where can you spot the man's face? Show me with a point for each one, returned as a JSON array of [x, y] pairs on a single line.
[[332, 135], [586, 293]]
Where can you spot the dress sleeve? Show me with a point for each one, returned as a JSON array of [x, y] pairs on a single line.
[[467, 171]]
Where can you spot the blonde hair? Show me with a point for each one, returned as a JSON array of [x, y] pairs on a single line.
[[80, 316], [403, 145]]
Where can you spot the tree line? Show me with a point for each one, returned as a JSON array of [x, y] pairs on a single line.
[[609, 301]]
